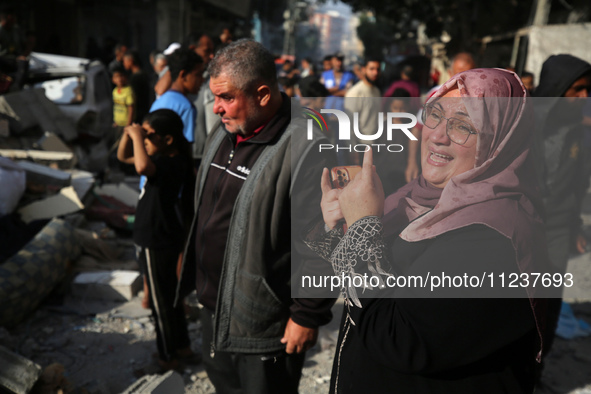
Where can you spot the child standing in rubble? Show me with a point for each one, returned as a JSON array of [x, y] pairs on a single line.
[[159, 151]]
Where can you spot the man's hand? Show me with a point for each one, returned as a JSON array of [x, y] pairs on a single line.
[[298, 339]]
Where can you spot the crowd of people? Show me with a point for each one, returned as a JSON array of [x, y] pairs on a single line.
[[226, 204], [481, 188]]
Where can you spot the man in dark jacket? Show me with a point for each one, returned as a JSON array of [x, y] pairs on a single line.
[[240, 245], [564, 86]]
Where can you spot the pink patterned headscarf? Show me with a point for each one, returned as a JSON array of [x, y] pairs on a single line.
[[499, 192]]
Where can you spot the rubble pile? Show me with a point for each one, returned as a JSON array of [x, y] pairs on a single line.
[[65, 240]]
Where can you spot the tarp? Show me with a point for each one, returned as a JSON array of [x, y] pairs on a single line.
[[572, 39]]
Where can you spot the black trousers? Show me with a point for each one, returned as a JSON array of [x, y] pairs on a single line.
[[233, 373], [159, 266]]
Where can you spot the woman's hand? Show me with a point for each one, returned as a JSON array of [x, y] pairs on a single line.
[[331, 209], [364, 195]]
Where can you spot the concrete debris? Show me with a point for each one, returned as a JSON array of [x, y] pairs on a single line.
[[169, 383], [82, 182], [63, 160], [107, 285], [133, 310], [121, 192], [43, 175], [52, 143], [65, 202], [29, 108], [17, 374]]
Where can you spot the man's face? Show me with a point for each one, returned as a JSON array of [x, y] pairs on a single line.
[[120, 53], [461, 65], [337, 64], [226, 36], [528, 82], [204, 49], [238, 110], [372, 71], [326, 65], [193, 80], [159, 65], [127, 62], [580, 88]]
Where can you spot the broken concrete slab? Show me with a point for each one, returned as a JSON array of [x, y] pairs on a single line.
[[116, 285], [29, 108], [63, 160], [52, 143], [17, 374], [121, 192], [63, 203], [42, 175], [169, 383], [82, 182]]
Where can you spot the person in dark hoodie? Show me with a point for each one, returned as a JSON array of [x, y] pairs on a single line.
[[564, 82]]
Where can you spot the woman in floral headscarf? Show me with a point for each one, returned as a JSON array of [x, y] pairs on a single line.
[[472, 214]]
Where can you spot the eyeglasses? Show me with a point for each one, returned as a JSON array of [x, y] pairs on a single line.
[[457, 130]]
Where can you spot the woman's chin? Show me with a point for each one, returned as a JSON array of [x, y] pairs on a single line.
[[435, 178]]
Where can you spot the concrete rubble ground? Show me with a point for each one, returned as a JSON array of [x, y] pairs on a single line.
[[90, 334]]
